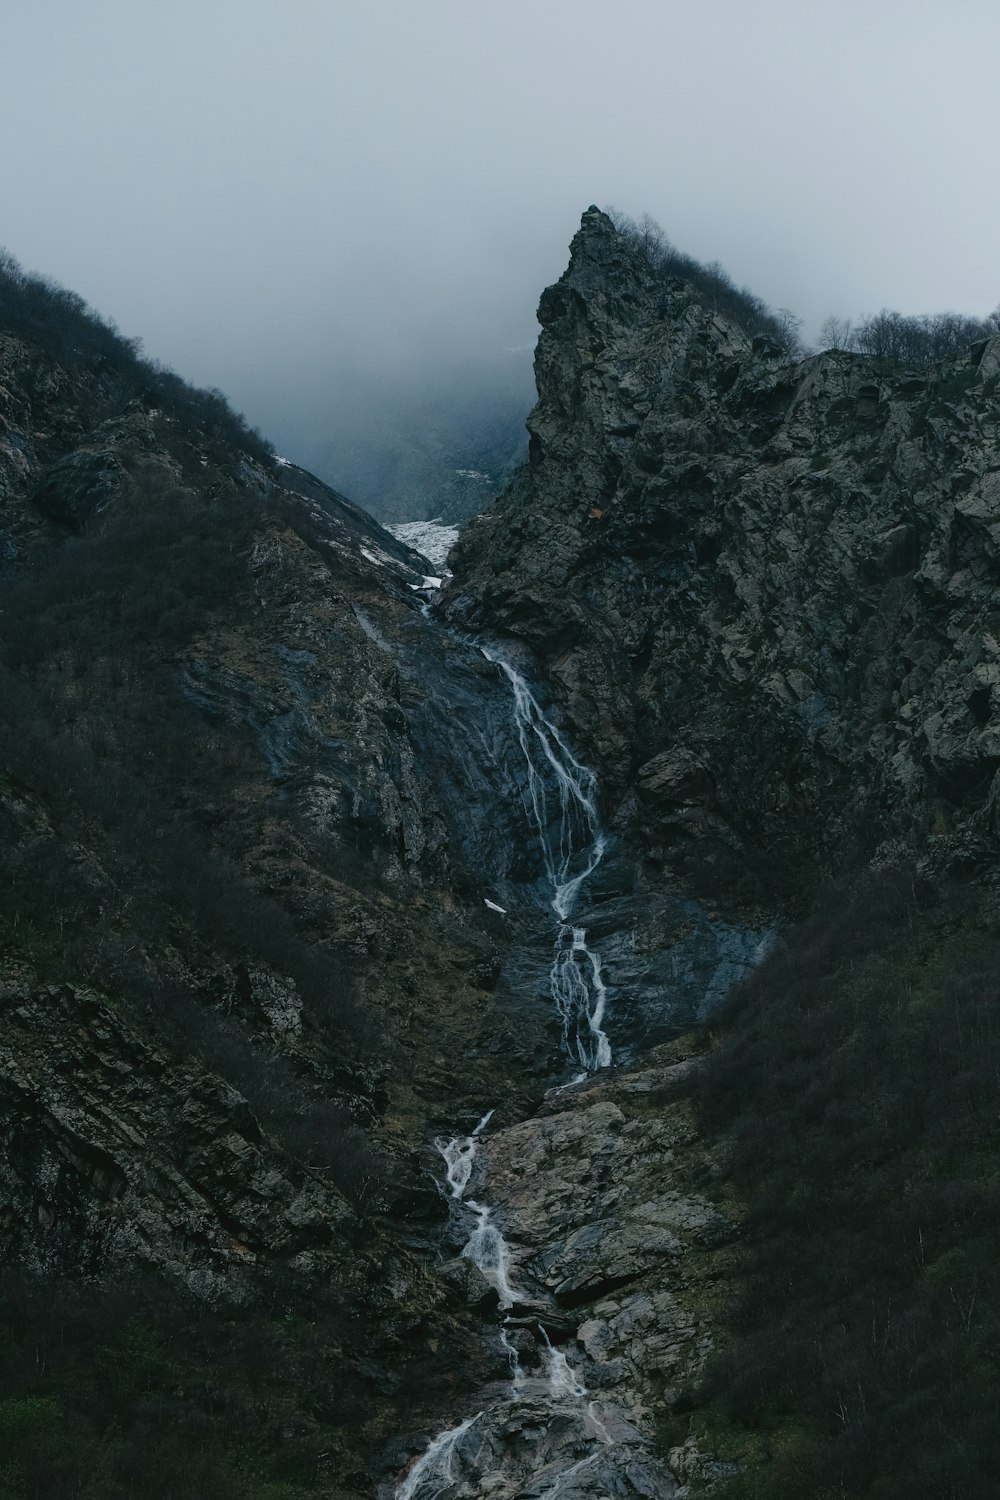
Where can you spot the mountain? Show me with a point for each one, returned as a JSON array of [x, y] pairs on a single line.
[[243, 937], [762, 588], [762, 592], [329, 896]]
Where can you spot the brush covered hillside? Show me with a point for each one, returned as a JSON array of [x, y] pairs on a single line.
[[240, 942]]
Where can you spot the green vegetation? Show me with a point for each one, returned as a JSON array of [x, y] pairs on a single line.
[[891, 337], [122, 841], [858, 1082], [111, 1392], [59, 323]]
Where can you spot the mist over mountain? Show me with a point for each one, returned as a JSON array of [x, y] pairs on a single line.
[[412, 447], [331, 208]]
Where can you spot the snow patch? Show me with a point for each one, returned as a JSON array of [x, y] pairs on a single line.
[[493, 906], [432, 539]]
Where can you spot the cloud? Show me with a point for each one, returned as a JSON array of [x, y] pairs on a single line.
[[299, 201]]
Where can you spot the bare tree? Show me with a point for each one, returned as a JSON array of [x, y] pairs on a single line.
[[837, 333], [890, 335]]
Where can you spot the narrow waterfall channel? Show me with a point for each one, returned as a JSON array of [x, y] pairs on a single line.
[[573, 845], [562, 805]]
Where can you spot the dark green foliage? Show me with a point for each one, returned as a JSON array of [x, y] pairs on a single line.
[[714, 285], [59, 323], [859, 1085], [123, 849], [117, 1393]]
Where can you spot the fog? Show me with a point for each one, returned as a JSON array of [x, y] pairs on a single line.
[[340, 212]]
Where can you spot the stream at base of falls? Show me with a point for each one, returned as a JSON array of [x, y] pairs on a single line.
[[508, 1447]]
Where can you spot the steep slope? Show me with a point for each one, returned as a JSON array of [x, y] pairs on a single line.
[[763, 589], [299, 883], [277, 908], [243, 934]]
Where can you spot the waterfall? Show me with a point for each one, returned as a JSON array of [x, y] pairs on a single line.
[[487, 1249], [486, 1246], [563, 1384], [516, 1373], [573, 844], [435, 1466], [460, 1155], [562, 798], [577, 988]]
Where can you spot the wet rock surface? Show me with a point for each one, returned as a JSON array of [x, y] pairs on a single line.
[[758, 598], [380, 798], [615, 1260]]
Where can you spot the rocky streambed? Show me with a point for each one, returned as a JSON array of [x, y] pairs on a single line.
[[577, 1235], [614, 1260]]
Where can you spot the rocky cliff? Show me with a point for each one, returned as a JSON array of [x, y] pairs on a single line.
[[763, 589]]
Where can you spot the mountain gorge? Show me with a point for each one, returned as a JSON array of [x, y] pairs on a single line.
[[309, 865]]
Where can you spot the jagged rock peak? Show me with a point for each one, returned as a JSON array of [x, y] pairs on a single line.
[[618, 282], [761, 586]]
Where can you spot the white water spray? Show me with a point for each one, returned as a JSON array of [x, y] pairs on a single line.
[[487, 1249], [563, 803], [577, 987], [486, 1246], [563, 1383], [460, 1155], [516, 1373], [573, 845], [436, 1466]]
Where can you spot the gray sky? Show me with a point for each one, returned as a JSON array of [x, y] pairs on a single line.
[[286, 199]]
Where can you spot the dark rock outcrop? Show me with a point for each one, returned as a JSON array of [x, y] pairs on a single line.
[[251, 802], [762, 590], [114, 1157]]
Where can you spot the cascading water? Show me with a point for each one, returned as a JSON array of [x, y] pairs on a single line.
[[486, 1246], [573, 846], [436, 1466], [460, 1155], [562, 795], [563, 1384]]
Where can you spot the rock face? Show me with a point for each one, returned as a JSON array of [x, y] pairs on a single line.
[[274, 904], [273, 910], [614, 1261], [763, 591], [96, 1174]]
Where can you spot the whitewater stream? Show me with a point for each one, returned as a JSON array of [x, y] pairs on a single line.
[[562, 805], [573, 845]]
